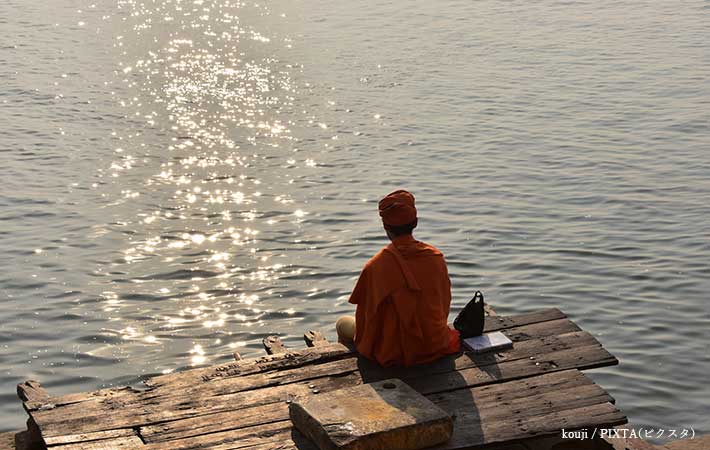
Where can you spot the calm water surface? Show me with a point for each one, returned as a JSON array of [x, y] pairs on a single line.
[[182, 178]]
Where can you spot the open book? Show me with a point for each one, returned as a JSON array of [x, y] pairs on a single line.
[[488, 342]]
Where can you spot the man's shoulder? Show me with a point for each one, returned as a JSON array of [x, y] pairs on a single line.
[[429, 249], [382, 257]]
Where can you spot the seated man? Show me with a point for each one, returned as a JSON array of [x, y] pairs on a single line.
[[402, 296]]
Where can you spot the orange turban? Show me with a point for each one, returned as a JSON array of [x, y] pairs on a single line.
[[397, 208]]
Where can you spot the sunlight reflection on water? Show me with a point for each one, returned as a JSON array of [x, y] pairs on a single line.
[[204, 78]]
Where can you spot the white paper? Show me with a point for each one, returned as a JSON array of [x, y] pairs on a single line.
[[488, 342]]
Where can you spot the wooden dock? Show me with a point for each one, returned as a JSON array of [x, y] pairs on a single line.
[[500, 399]]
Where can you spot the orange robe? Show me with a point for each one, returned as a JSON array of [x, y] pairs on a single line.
[[403, 297]]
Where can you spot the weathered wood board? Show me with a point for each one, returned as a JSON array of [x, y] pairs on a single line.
[[495, 413], [7, 441], [385, 415], [273, 345], [244, 403]]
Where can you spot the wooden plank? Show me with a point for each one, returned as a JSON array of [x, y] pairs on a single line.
[[296, 441], [384, 415], [128, 443], [475, 430], [495, 323], [530, 348], [474, 376], [314, 338], [273, 345], [292, 359], [236, 419], [222, 380], [536, 330], [332, 351], [491, 409], [469, 436], [237, 439], [510, 390], [127, 409], [142, 409], [167, 396], [586, 357], [213, 423], [289, 440], [293, 369], [288, 360], [68, 399], [116, 416], [146, 408], [524, 412], [267, 432], [31, 392], [86, 437], [7, 440]]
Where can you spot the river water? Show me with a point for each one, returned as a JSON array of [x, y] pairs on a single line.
[[182, 178]]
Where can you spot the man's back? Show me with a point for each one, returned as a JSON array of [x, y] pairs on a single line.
[[403, 298]]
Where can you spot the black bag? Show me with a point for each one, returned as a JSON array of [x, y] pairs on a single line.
[[472, 318]]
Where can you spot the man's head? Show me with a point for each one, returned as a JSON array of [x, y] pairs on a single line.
[[399, 215]]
